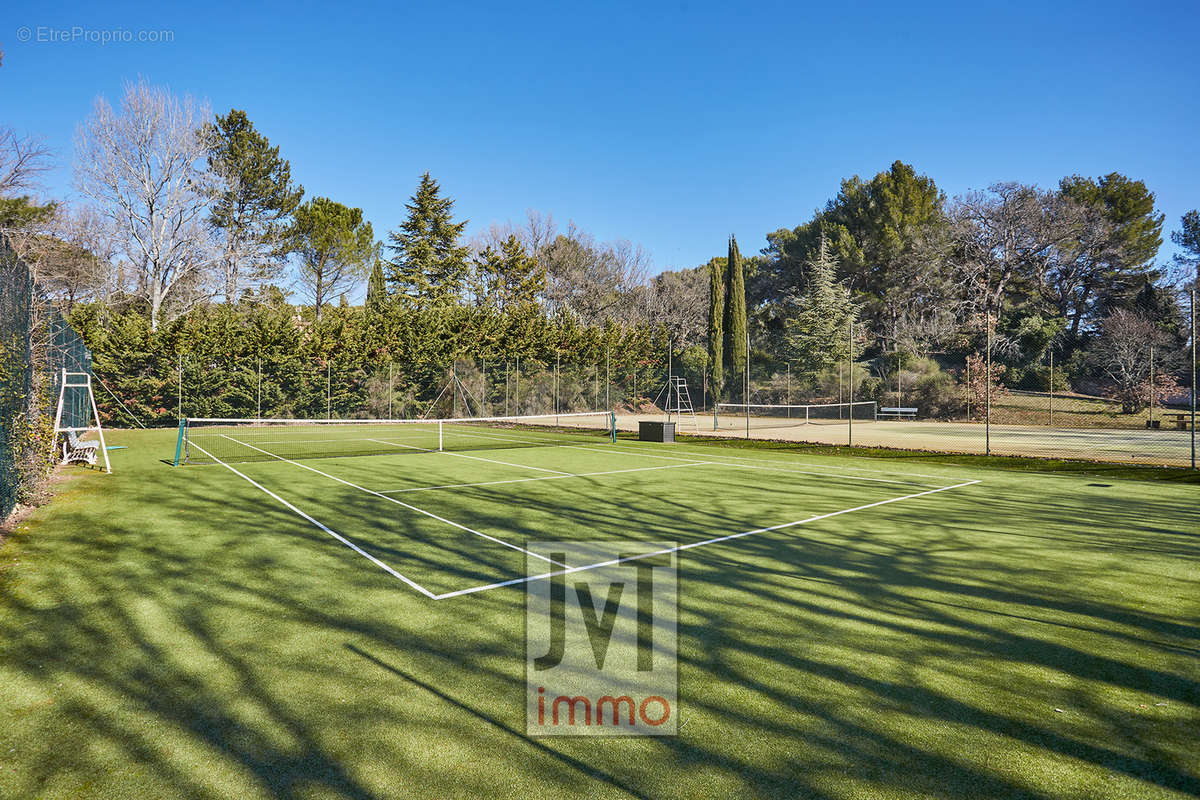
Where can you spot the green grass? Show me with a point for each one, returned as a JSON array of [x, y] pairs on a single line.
[[174, 632]]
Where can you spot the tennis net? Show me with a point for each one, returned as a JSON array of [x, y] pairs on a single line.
[[209, 441], [733, 416]]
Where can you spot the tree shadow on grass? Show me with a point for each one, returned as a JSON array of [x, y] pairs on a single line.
[[200, 610]]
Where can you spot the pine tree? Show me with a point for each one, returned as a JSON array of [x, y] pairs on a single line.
[[254, 197], [735, 317], [816, 330], [1188, 240], [334, 246], [716, 314], [429, 266], [522, 278]]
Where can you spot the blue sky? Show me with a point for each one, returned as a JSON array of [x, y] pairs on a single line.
[[670, 124]]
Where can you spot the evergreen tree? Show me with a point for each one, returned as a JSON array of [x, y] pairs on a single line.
[[18, 213], [875, 228], [334, 245], [429, 266], [716, 320], [815, 330], [735, 317], [522, 279], [1188, 239], [377, 294], [254, 197], [1129, 207]]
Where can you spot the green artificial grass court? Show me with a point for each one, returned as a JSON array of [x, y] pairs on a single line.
[[940, 630]]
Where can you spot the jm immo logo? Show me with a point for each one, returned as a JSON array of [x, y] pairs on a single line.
[[601, 624]]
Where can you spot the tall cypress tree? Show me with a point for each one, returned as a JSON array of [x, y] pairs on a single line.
[[429, 266], [716, 326], [376, 289], [735, 317]]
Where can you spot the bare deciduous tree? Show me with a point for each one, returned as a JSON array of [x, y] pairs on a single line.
[[141, 165], [77, 259], [1123, 354], [678, 299], [594, 281], [1012, 231], [23, 158]]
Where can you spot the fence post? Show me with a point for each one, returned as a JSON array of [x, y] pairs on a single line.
[[328, 390], [1051, 388], [179, 389], [850, 379], [1151, 387], [969, 389], [746, 389], [1193, 425], [987, 422], [258, 393]]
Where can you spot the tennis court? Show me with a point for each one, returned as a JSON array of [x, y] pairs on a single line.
[[313, 610], [446, 507]]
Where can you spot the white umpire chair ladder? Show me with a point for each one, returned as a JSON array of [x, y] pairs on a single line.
[[679, 400], [78, 380]]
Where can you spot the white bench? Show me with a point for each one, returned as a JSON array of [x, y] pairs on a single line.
[[896, 413], [75, 449]]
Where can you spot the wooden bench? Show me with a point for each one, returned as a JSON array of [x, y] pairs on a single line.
[[75, 449], [1183, 419], [896, 413]]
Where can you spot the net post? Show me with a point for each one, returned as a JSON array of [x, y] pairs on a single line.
[[179, 441], [439, 436], [612, 421]]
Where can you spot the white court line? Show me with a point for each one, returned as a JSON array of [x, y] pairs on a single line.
[[401, 444], [691, 545], [840, 476], [320, 525], [542, 478], [507, 463], [624, 447], [477, 458], [699, 450], [402, 503]]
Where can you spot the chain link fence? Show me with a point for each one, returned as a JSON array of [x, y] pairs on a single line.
[[37, 346], [250, 388], [1130, 398]]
